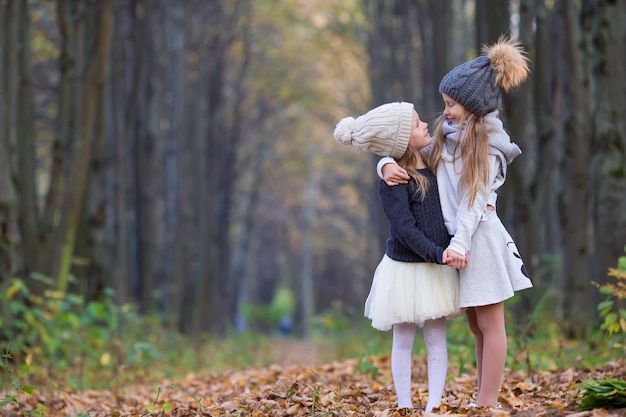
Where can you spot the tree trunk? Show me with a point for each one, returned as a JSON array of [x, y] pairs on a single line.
[[607, 36], [189, 239], [93, 244], [306, 279], [67, 17], [575, 200], [173, 109], [92, 250], [146, 188], [120, 139], [10, 238], [436, 59], [28, 216], [89, 100], [206, 299], [522, 215], [214, 288], [518, 112], [246, 232], [493, 19], [149, 178], [241, 21], [546, 99]]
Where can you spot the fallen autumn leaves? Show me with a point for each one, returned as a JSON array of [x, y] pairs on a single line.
[[335, 389]]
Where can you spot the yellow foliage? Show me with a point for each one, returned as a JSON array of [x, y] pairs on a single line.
[[105, 359], [612, 310], [619, 288], [15, 287], [54, 294]]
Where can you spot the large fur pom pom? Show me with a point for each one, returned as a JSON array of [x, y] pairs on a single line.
[[509, 61], [343, 131]]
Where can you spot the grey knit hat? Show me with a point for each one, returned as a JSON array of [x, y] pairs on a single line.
[[477, 84], [384, 130]]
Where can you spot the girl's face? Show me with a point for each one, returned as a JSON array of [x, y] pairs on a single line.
[[452, 110], [419, 134]]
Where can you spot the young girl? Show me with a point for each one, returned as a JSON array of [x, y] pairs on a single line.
[[470, 156], [411, 286]]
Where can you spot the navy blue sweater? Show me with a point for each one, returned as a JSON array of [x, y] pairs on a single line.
[[417, 231]]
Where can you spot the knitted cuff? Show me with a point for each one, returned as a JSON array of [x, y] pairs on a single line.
[[384, 161]]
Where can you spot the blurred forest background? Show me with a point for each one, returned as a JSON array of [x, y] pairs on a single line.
[[178, 156]]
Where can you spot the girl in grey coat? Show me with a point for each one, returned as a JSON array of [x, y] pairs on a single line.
[[470, 155]]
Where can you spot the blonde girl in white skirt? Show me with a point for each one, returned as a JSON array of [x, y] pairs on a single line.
[[416, 283], [470, 154]]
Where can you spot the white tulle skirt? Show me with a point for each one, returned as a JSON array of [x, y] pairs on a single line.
[[411, 292]]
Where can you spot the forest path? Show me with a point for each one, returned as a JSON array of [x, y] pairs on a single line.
[[287, 352]]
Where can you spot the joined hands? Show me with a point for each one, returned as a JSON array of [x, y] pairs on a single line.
[[455, 259]]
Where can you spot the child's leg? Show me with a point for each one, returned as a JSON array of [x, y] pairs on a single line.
[[435, 339], [403, 338], [478, 337], [490, 320]]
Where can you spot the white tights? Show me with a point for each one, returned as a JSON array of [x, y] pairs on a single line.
[[435, 339]]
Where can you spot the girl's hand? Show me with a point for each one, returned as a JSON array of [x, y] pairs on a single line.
[[464, 261], [455, 259], [394, 174]]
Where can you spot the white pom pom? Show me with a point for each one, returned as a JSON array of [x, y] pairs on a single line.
[[343, 131]]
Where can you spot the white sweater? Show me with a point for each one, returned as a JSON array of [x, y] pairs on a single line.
[[461, 220]]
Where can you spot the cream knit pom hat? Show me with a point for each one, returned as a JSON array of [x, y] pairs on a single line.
[[385, 130]]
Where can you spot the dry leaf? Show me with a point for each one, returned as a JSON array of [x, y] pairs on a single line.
[[334, 389]]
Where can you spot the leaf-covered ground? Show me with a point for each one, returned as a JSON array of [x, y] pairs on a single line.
[[348, 388]]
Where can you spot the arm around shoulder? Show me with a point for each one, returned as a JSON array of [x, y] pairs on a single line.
[[392, 173], [384, 161]]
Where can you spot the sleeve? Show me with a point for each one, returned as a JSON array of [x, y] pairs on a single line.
[[383, 162], [468, 218], [395, 202]]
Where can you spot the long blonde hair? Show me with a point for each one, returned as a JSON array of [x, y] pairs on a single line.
[[408, 161], [474, 152]]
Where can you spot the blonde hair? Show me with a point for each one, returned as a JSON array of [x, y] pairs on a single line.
[[474, 152], [408, 161]]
